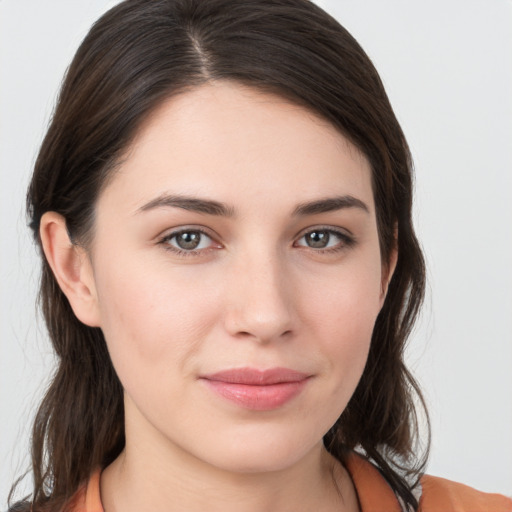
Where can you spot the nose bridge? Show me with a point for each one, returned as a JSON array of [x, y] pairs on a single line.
[[259, 297]]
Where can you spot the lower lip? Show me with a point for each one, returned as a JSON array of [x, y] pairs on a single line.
[[257, 398]]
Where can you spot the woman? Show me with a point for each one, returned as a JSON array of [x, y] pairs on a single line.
[[230, 271]]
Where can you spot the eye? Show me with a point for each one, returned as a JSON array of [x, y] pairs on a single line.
[[188, 241], [325, 239]]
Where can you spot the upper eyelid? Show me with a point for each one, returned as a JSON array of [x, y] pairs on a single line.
[[333, 229], [172, 232]]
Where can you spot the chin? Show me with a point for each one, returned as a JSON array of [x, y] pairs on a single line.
[[262, 452]]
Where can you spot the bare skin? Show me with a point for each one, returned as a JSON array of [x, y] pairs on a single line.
[[327, 490]]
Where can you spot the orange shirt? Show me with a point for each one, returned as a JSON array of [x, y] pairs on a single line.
[[375, 495], [438, 494]]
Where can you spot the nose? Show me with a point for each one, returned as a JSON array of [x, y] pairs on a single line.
[[260, 305]]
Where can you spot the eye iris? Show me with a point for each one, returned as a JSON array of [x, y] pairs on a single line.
[[317, 239], [188, 239]]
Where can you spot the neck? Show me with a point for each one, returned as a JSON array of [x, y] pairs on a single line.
[[144, 478]]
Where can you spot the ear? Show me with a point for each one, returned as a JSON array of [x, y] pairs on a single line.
[[71, 267], [388, 268]]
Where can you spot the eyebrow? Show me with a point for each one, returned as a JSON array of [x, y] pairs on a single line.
[[195, 204], [329, 204], [212, 207]]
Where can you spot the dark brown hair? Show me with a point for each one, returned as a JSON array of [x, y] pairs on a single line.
[[137, 55]]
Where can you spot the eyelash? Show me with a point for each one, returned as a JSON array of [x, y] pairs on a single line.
[[346, 241], [182, 252]]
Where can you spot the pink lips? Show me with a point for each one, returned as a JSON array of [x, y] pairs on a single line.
[[259, 390]]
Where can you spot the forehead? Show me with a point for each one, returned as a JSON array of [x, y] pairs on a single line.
[[231, 141]]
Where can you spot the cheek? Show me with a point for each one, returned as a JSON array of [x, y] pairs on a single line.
[[150, 315], [348, 300], [342, 313]]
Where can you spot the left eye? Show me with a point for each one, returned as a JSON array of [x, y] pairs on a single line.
[[190, 240], [322, 239]]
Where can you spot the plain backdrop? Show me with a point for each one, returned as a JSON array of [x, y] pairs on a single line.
[[447, 67]]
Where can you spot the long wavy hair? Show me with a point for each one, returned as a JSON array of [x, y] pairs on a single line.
[[136, 56]]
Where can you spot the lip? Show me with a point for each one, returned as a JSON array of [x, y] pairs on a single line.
[[259, 390]]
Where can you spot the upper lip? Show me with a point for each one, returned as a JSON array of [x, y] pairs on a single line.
[[256, 377]]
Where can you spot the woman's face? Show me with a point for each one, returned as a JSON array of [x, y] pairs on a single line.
[[237, 274]]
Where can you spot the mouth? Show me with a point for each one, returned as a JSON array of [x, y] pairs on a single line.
[[259, 390]]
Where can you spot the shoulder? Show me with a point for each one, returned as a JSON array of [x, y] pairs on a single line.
[[435, 494], [441, 495]]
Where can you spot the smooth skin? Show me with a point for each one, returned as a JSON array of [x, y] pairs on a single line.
[[214, 248]]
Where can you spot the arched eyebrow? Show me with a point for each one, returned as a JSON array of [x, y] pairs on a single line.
[[329, 204], [216, 208], [194, 204]]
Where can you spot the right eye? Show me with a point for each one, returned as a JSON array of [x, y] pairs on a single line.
[[188, 242], [323, 239]]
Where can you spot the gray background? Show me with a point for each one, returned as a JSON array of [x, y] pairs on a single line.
[[447, 66]]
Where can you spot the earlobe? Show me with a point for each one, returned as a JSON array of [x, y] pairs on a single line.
[[71, 267]]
